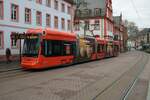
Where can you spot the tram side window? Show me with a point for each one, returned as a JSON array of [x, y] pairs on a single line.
[[103, 49], [52, 48], [56, 48], [74, 47], [67, 48], [94, 50], [47, 48], [116, 48], [107, 48], [98, 48]]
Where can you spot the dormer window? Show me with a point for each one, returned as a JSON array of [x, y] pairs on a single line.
[[97, 11]]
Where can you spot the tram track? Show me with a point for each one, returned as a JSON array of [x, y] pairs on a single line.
[[9, 70], [11, 74], [131, 77], [117, 84], [129, 89]]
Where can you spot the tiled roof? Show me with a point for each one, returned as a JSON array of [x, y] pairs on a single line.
[[145, 31]]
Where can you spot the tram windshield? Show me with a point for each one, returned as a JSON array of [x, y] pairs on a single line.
[[31, 46]]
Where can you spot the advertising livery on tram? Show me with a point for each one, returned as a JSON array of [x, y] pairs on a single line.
[[44, 48]]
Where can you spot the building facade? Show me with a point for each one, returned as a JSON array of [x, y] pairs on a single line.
[[120, 31], [20, 15], [99, 14], [143, 37]]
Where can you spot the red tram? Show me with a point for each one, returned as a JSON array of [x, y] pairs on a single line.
[[49, 48]]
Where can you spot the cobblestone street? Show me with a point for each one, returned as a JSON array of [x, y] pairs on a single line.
[[74, 50], [98, 80]]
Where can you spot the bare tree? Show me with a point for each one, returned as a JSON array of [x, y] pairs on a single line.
[[132, 28]]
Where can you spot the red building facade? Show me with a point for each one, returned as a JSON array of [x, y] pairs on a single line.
[[99, 13]]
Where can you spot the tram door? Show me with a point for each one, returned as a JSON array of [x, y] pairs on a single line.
[[109, 49]]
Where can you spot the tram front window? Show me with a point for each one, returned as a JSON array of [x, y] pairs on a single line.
[[31, 47]]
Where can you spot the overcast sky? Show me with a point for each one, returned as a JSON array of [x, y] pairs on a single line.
[[128, 11]]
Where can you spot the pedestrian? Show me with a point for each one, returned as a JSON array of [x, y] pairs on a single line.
[[8, 55]]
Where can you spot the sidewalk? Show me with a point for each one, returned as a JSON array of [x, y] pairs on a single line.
[[10, 66]]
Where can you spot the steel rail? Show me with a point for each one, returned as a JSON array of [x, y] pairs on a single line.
[[128, 89], [11, 69]]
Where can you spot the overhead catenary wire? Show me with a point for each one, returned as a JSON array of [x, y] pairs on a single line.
[[137, 13]]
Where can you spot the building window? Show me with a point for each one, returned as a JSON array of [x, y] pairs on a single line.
[[1, 39], [77, 26], [48, 3], [109, 26], [48, 20], [69, 25], [14, 44], [56, 4], [87, 12], [1, 10], [63, 23], [56, 22], [97, 11], [38, 18], [87, 27], [27, 15], [63, 7], [97, 25], [39, 1], [14, 12], [69, 10]]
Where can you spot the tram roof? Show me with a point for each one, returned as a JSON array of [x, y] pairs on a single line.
[[53, 33]]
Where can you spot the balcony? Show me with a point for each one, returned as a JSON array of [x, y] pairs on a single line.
[[89, 13]]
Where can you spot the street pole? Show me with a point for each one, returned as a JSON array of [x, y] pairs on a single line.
[[20, 51], [148, 38]]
